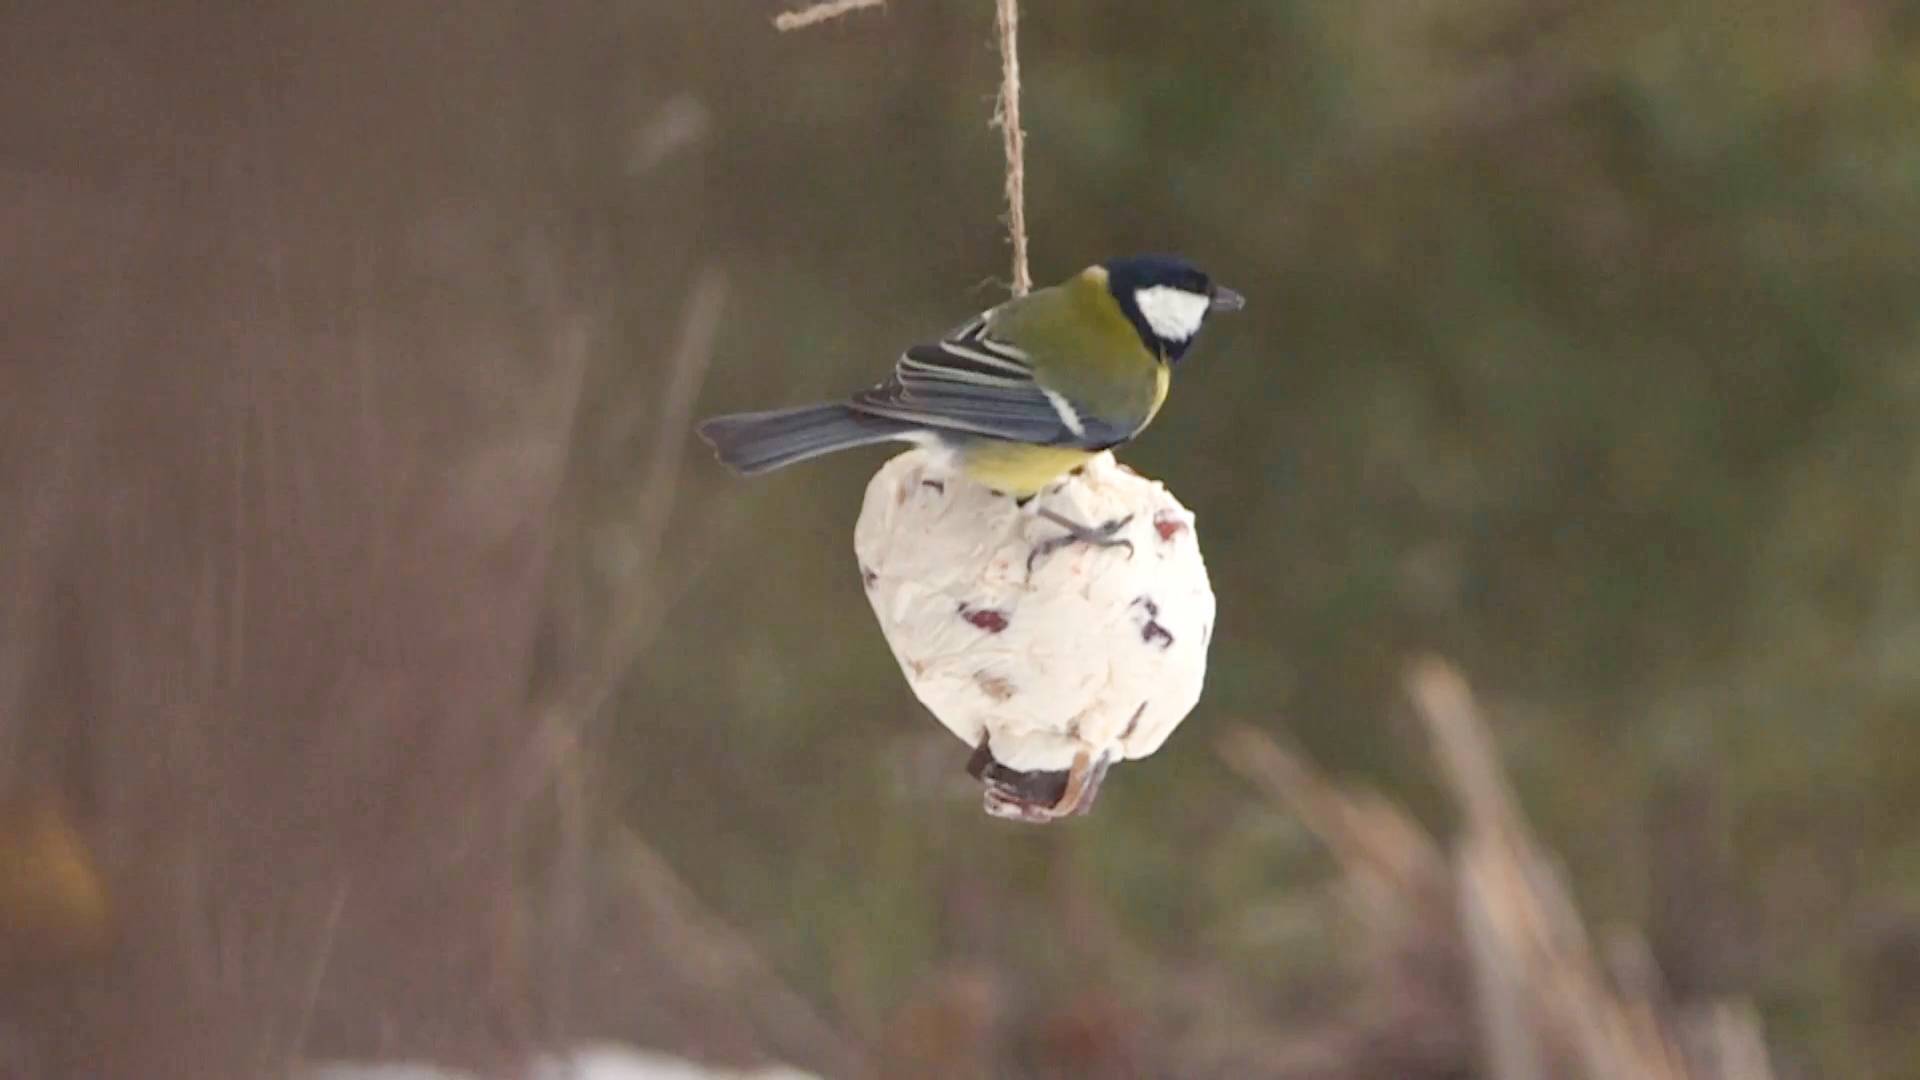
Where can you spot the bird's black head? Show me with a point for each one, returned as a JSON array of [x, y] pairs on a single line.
[[1167, 299]]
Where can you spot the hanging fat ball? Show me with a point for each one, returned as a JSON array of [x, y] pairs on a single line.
[[1049, 606], [1052, 661]]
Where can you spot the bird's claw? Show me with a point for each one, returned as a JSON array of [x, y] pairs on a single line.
[[1103, 536]]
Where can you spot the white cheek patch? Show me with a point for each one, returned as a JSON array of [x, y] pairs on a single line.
[[1174, 314]]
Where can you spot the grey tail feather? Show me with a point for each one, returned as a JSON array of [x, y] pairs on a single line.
[[757, 442]]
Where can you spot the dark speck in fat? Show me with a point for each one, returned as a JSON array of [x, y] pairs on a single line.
[[1153, 632], [987, 619], [1168, 525]]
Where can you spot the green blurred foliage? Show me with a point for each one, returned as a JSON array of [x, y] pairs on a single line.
[[1582, 347]]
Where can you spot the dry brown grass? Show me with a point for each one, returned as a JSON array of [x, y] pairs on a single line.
[[1480, 934]]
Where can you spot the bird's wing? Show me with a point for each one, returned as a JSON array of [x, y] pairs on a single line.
[[969, 381]]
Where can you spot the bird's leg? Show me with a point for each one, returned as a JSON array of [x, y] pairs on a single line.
[[1041, 797], [1102, 536]]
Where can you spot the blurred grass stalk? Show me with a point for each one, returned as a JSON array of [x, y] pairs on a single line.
[[688, 936], [619, 539], [1542, 1001]]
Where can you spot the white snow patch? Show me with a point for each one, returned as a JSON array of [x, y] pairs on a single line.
[[598, 1061]]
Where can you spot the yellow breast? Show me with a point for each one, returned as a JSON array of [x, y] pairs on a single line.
[[1020, 469], [1162, 379]]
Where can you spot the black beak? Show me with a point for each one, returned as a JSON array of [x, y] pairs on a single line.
[[1225, 299]]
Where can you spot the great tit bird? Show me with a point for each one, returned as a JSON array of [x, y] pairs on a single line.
[[1022, 393]]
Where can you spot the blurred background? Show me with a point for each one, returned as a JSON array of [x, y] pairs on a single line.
[[385, 671]]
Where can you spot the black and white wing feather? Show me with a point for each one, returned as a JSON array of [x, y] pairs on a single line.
[[968, 381]]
